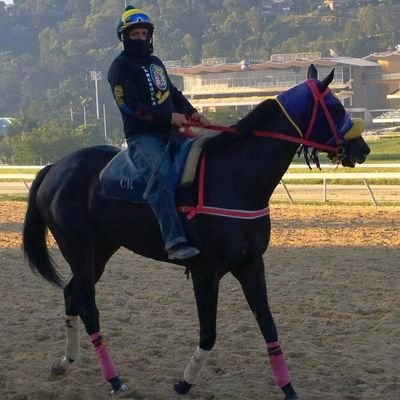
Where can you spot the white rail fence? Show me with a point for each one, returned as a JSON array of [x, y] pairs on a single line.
[[352, 192], [326, 177], [19, 183]]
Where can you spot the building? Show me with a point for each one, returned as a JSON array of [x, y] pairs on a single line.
[[388, 81], [4, 124], [333, 4], [216, 83]]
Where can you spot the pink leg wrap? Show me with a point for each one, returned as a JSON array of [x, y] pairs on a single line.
[[278, 364], [107, 365]]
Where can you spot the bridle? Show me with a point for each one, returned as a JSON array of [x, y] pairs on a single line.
[[319, 103], [304, 139]]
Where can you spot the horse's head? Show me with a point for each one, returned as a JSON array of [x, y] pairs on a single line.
[[320, 117]]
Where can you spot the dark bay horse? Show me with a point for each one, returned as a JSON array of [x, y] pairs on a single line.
[[238, 178]]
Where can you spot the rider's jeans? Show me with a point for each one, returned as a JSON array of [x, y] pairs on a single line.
[[152, 156]]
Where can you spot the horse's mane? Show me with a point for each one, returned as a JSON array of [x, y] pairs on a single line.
[[257, 118]]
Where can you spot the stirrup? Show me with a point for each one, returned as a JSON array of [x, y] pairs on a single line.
[[182, 252]]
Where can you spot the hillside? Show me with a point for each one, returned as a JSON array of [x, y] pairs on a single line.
[[48, 49]]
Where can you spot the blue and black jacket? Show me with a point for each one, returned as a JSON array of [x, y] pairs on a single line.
[[145, 95]]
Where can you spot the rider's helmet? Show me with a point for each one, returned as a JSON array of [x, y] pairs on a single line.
[[134, 18]]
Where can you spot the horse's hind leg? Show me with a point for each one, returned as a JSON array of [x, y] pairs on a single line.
[[87, 263], [252, 280], [72, 347]]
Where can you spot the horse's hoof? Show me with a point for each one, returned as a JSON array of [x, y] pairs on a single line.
[[122, 388], [117, 386], [182, 387], [59, 366], [295, 397]]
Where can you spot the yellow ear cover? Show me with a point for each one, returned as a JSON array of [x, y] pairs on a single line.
[[356, 130]]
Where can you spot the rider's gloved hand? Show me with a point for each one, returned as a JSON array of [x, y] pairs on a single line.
[[178, 119], [199, 119]]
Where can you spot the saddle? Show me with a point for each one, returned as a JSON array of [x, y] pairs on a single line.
[[120, 179]]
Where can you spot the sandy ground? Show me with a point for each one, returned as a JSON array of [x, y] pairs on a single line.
[[333, 276]]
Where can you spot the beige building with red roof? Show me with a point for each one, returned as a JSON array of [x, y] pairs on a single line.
[[362, 84], [389, 81]]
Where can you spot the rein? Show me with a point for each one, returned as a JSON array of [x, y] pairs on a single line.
[[303, 139], [270, 134]]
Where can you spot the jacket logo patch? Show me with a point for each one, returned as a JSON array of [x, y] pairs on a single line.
[[158, 76], [119, 95], [161, 97]]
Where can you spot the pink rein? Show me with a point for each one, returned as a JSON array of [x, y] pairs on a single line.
[[274, 135], [318, 102]]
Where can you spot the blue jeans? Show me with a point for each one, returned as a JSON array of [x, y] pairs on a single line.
[[152, 155]]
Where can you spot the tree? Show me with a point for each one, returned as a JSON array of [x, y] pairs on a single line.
[[52, 140], [368, 21], [48, 47]]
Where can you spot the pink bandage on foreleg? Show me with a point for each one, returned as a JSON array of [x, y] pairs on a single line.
[[278, 364], [108, 367]]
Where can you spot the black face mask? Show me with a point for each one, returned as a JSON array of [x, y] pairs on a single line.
[[138, 48]]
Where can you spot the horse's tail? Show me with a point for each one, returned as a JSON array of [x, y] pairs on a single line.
[[34, 236]]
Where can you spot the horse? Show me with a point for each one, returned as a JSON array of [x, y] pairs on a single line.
[[224, 211]]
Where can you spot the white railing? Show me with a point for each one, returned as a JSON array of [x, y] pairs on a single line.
[[325, 177], [332, 175]]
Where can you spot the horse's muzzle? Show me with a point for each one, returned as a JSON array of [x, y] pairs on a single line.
[[354, 151]]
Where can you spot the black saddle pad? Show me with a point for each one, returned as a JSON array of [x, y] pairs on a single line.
[[120, 179]]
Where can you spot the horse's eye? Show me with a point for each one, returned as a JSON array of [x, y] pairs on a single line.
[[338, 110], [335, 106]]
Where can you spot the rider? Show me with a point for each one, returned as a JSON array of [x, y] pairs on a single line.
[[152, 110]]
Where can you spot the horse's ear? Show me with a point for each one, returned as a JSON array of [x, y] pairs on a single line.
[[328, 79], [312, 72]]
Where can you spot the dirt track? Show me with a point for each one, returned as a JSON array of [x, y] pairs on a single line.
[[333, 287], [294, 226]]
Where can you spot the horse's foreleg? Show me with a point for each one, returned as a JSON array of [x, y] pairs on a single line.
[[252, 280], [206, 292]]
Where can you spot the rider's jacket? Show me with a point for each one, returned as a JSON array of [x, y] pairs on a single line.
[[145, 95]]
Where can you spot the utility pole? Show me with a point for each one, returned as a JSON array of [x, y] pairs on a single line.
[[105, 123], [96, 76]]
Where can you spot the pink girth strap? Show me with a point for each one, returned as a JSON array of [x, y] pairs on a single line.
[[200, 208]]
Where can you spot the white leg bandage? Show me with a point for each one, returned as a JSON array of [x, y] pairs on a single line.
[[196, 364], [72, 334]]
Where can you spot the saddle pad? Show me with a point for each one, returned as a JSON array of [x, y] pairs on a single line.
[[189, 171], [121, 180]]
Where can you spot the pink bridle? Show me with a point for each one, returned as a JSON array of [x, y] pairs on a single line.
[[304, 140], [319, 102]]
